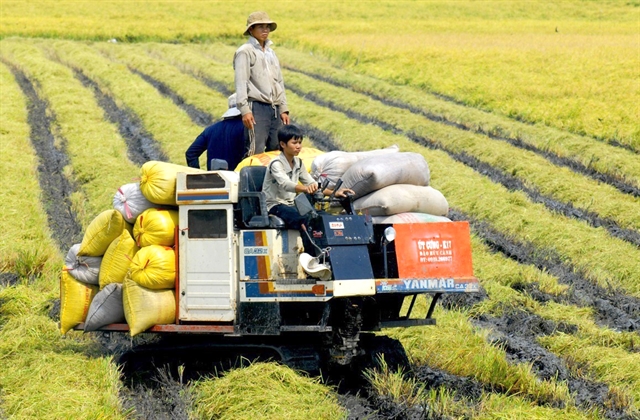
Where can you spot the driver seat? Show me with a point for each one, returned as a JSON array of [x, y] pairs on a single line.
[[252, 201]]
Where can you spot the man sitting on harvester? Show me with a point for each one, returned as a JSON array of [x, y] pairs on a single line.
[[286, 176]]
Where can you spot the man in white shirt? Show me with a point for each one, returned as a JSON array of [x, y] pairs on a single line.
[[259, 86]]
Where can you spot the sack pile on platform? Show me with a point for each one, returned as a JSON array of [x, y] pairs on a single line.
[[124, 268], [386, 183]]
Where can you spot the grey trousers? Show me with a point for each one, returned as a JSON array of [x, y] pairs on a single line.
[[268, 123]]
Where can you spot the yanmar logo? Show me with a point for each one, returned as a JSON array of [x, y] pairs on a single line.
[[430, 284]]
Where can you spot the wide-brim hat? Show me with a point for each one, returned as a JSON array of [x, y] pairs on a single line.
[[233, 110], [257, 18]]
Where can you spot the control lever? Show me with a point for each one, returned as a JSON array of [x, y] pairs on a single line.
[[337, 187], [319, 194]]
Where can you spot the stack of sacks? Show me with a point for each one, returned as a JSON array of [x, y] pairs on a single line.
[[104, 280], [385, 181], [334, 164], [148, 292], [81, 275], [394, 183]]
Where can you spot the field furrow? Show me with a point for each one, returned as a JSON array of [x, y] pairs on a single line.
[[57, 189], [162, 119], [27, 240], [610, 307], [141, 146]]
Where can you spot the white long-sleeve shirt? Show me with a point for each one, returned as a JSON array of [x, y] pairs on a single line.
[[258, 76]]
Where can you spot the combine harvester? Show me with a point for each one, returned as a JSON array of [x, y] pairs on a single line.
[[243, 281]]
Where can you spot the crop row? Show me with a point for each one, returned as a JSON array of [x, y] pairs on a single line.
[[66, 372], [23, 220], [114, 78]]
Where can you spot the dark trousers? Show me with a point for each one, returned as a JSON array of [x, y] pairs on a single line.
[[293, 220], [268, 122]]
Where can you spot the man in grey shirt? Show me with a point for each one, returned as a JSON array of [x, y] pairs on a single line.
[[259, 86], [287, 176]]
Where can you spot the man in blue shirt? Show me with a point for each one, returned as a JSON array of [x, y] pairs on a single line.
[[222, 140]]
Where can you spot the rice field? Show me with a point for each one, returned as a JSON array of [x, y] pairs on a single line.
[[527, 113]]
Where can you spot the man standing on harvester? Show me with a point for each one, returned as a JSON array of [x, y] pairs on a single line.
[[259, 86]]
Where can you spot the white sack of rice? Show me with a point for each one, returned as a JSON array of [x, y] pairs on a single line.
[[403, 198], [130, 201], [334, 164], [106, 308], [377, 172], [408, 218]]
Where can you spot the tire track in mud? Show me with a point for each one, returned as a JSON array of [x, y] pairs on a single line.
[[516, 331], [496, 175], [197, 116], [56, 187], [618, 182], [141, 146]]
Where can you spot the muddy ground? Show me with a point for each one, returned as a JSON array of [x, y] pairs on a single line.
[[157, 391]]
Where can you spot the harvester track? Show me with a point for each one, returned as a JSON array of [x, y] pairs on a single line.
[[56, 187]]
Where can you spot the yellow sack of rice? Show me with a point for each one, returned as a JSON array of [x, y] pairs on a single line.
[[75, 299], [307, 154], [156, 227], [102, 230], [154, 267], [117, 259], [158, 181], [144, 308]]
